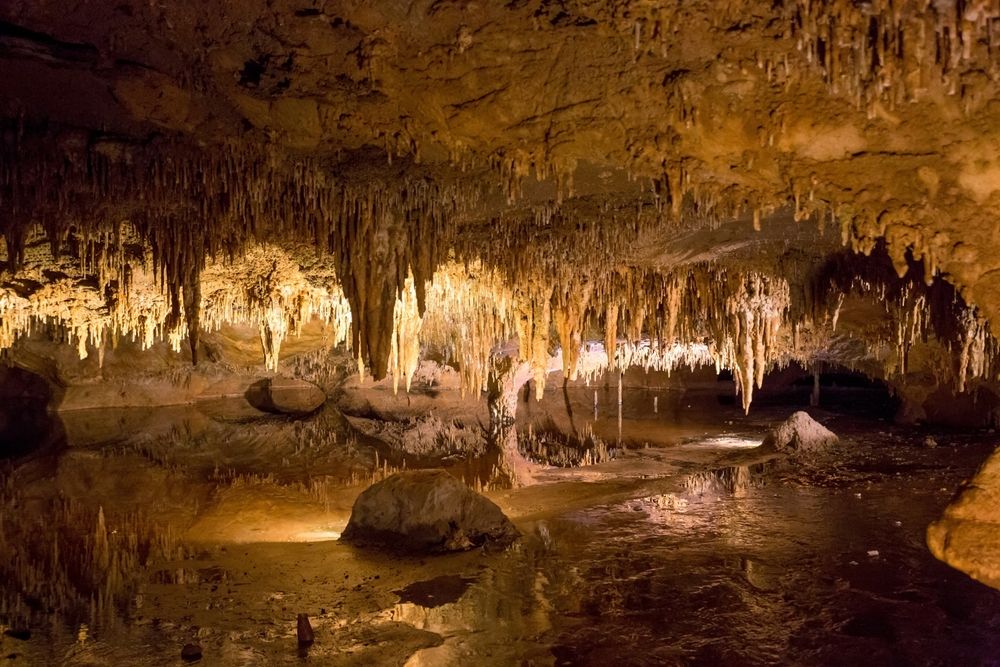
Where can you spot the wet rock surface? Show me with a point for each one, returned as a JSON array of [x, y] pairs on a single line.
[[304, 630], [427, 511], [285, 396], [800, 435], [967, 536], [191, 653]]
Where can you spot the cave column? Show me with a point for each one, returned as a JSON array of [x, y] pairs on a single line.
[[505, 378]]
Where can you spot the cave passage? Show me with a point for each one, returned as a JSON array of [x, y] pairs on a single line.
[[513, 333]]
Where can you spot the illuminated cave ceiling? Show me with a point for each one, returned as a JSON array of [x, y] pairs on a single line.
[[563, 171]]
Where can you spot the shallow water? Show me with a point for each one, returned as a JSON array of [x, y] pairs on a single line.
[[784, 574], [687, 554]]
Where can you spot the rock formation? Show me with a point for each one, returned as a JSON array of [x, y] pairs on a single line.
[[967, 536], [285, 396], [372, 184], [800, 435], [427, 511]]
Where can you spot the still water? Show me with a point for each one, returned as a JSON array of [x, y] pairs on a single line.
[[683, 553]]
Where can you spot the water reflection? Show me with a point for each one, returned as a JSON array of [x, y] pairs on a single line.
[[711, 560]]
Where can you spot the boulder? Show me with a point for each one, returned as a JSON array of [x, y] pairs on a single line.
[[285, 396], [427, 511], [967, 536], [799, 434]]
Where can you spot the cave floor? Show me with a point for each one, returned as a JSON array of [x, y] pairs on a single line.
[[694, 551]]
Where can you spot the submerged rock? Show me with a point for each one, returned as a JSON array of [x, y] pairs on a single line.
[[285, 396], [191, 653], [427, 510], [799, 434]]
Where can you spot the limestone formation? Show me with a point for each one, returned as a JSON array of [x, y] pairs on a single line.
[[967, 536], [364, 186], [407, 192], [427, 511], [800, 435], [285, 396]]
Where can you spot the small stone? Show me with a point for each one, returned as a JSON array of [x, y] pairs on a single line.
[[191, 653], [930, 443], [304, 630], [897, 524], [873, 553]]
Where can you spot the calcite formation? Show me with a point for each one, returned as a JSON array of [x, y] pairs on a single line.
[[734, 183]]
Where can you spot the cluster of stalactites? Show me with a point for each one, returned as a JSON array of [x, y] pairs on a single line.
[[188, 205], [264, 288], [915, 311], [978, 355], [98, 298], [746, 318], [267, 289], [736, 320], [470, 310], [653, 356], [890, 50]]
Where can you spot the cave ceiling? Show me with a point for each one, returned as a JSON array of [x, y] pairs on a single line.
[[461, 174]]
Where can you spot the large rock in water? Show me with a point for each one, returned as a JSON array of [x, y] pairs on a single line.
[[427, 510], [967, 536], [799, 434], [286, 396]]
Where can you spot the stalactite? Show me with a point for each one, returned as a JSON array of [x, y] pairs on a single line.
[[570, 305], [889, 51], [534, 320], [470, 310], [405, 352], [611, 333], [190, 203]]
